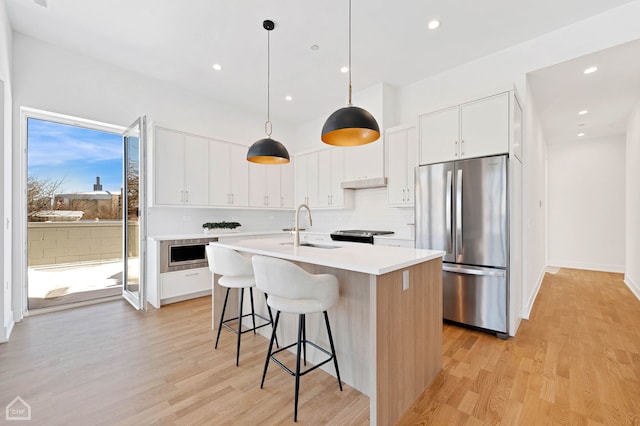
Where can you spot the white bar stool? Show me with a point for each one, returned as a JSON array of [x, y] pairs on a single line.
[[293, 290], [237, 272]]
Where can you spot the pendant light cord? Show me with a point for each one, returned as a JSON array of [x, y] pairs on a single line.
[[267, 125], [350, 104]]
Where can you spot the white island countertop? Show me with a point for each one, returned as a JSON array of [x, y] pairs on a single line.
[[357, 257]]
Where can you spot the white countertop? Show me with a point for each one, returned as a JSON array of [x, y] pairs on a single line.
[[365, 258]]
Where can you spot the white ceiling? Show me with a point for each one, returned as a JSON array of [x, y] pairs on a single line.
[[562, 90], [178, 41]]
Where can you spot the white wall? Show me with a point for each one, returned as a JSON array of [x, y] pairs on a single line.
[[535, 207], [632, 275], [586, 202], [6, 314]]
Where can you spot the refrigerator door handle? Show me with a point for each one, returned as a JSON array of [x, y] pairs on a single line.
[[448, 208], [459, 213], [474, 271]]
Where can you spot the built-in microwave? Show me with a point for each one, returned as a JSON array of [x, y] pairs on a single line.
[[178, 255]]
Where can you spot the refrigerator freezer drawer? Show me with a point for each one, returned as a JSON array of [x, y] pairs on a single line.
[[475, 296]]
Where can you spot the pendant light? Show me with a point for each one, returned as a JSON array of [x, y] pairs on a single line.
[[267, 150], [351, 125]]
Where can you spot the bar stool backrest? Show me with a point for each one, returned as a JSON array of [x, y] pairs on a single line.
[[285, 279], [227, 262]]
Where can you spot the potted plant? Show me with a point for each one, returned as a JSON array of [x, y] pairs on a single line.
[[219, 227]]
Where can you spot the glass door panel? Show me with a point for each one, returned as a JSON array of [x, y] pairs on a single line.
[[133, 289]]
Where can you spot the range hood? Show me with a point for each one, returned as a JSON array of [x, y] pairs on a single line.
[[364, 183]]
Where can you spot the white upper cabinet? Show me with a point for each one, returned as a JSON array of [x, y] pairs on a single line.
[[181, 165], [306, 179], [286, 185], [330, 175], [264, 185], [473, 129], [401, 146], [228, 174], [484, 127]]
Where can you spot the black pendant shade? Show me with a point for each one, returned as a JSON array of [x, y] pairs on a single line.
[[350, 126], [268, 151]]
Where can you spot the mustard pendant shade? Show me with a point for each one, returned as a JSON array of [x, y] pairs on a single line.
[[268, 150], [351, 125]]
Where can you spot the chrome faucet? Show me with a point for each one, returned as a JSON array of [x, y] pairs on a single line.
[[296, 230]]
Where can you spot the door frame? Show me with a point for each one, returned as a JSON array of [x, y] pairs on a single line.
[[21, 255]]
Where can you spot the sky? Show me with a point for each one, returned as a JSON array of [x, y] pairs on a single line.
[[77, 155]]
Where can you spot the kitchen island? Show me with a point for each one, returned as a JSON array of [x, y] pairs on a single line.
[[387, 324]]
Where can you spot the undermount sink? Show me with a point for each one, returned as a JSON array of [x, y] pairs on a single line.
[[316, 245]]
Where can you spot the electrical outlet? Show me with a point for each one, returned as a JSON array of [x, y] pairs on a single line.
[[405, 280], [186, 218]]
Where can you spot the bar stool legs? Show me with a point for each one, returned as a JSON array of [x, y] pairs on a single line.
[[239, 331], [300, 355]]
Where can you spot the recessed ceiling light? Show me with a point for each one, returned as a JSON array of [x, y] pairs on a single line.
[[590, 70], [583, 112], [344, 69], [288, 98], [580, 134], [315, 47], [433, 24], [217, 67]]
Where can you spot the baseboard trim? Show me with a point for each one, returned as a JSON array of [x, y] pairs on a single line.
[[620, 269], [634, 287], [529, 306], [7, 329]]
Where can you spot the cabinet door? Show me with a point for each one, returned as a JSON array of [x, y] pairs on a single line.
[[324, 178], [257, 185], [169, 167], [219, 173], [272, 185], [286, 185], [306, 176], [484, 127], [338, 160], [396, 147], [239, 178], [196, 170], [439, 136], [411, 164]]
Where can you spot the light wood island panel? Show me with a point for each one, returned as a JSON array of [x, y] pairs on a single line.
[[388, 340]]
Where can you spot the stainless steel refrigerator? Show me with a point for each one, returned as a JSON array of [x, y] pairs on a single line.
[[462, 208]]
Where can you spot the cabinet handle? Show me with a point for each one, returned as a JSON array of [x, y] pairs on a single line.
[[408, 195], [192, 274], [455, 148], [186, 198], [461, 147], [228, 198], [281, 201], [266, 200], [181, 196], [233, 198]]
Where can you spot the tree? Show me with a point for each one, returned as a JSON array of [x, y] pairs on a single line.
[[40, 192], [133, 187]]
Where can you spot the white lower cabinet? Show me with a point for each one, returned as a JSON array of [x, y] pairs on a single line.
[[182, 284]]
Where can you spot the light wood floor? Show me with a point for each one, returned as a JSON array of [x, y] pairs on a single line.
[[576, 361]]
